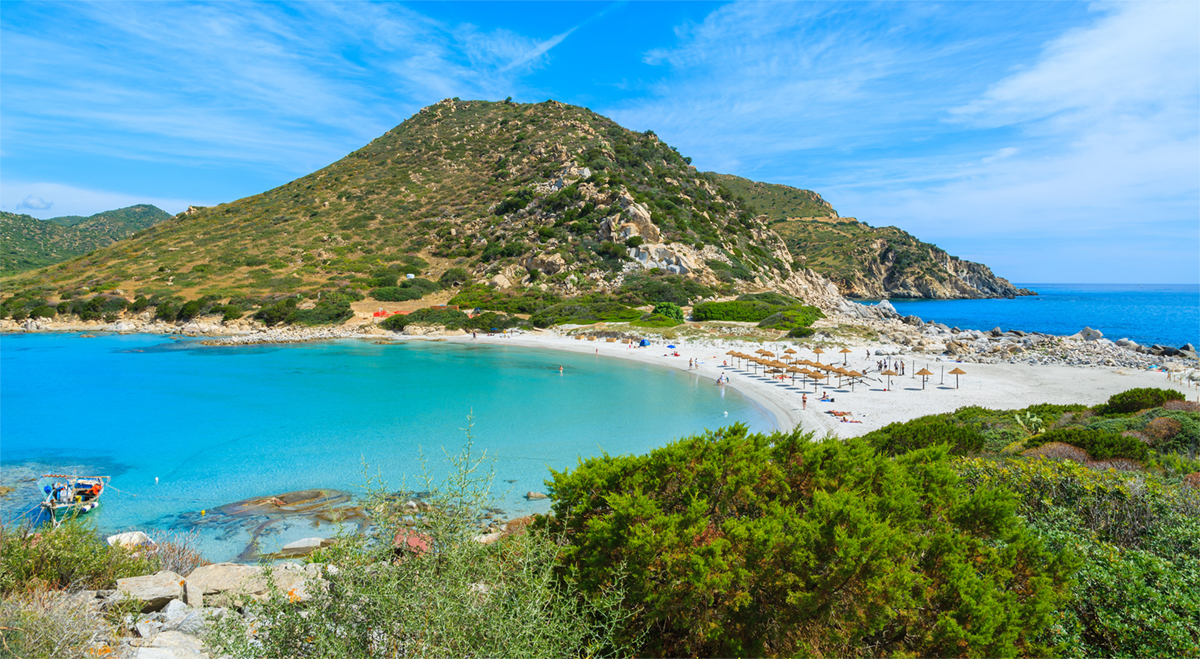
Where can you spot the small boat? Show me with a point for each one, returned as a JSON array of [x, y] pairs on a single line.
[[73, 496]]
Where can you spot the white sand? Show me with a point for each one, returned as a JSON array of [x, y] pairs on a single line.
[[995, 386]]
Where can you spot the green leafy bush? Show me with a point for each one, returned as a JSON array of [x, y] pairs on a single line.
[[1099, 444], [584, 311], [189, 310], [273, 314], [407, 289], [1133, 539], [451, 319], [454, 277], [71, 555], [675, 289], [43, 311], [1136, 400], [656, 321], [902, 437], [792, 319], [750, 312], [740, 544], [481, 296], [670, 310]]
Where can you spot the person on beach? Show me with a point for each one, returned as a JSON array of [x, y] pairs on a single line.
[[804, 401]]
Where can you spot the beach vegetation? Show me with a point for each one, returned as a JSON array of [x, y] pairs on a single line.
[[451, 319], [1100, 444], [483, 296], [668, 309], [407, 289], [745, 544], [656, 321], [902, 437], [1136, 400], [585, 310], [455, 277], [458, 597], [660, 288]]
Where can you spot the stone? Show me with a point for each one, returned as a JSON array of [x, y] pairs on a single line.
[[193, 594], [1187, 347], [171, 645], [912, 320], [174, 610], [228, 582], [130, 540], [535, 496], [147, 628], [192, 624], [486, 539], [154, 591], [1089, 334], [306, 543], [996, 331]]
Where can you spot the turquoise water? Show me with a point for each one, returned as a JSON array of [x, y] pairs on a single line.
[[1147, 313], [217, 425]]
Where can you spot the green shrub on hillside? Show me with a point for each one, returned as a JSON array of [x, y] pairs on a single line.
[[406, 289], [482, 296], [675, 289], [903, 437], [275, 313], [749, 312], [670, 310], [1136, 400], [451, 319], [656, 321], [454, 277], [1099, 444], [71, 555], [742, 544], [585, 311]]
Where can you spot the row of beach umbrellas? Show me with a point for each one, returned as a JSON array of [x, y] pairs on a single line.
[[787, 363]]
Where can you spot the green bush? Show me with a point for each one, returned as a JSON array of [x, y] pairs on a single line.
[[43, 311], [1100, 444], [1136, 400], [736, 310], [902, 437], [273, 314], [408, 289], [585, 311], [1134, 539], [451, 318], [482, 296], [514, 201], [454, 277], [670, 310], [675, 289], [656, 321], [165, 311], [189, 310], [796, 319], [740, 544], [71, 555]]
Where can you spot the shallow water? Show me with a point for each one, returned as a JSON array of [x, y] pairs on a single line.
[[216, 425]]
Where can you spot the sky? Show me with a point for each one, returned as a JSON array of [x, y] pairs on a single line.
[[1052, 141]]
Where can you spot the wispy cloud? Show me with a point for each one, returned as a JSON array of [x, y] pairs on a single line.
[[1024, 129], [45, 200]]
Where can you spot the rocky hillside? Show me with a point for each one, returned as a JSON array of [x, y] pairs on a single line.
[[870, 262], [27, 242], [864, 261], [520, 195]]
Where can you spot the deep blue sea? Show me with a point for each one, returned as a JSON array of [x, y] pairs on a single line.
[[1166, 314], [217, 425]]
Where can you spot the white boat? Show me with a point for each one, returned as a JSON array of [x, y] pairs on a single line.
[[71, 495]]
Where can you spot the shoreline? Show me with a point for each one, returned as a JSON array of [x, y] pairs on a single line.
[[1011, 371]]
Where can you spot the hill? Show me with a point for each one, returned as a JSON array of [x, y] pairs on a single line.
[[545, 195], [864, 261], [27, 243]]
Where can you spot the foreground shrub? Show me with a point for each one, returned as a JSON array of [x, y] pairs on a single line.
[[70, 556], [746, 544], [923, 432], [1136, 400], [1100, 444], [41, 622], [480, 296], [1058, 451], [1136, 591]]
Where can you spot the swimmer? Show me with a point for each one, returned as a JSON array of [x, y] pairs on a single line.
[[560, 369]]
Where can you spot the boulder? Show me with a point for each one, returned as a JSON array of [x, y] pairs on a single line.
[[535, 496], [175, 609], [1187, 347], [130, 540], [228, 582], [996, 331], [306, 543], [487, 538], [913, 320], [171, 645], [153, 591]]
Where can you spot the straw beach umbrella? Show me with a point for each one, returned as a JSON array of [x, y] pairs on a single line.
[[818, 352], [844, 351], [957, 372], [889, 373], [924, 373], [853, 375]]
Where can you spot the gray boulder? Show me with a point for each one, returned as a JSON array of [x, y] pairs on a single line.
[[172, 645], [154, 591], [229, 583]]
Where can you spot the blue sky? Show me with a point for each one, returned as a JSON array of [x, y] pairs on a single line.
[[1053, 141]]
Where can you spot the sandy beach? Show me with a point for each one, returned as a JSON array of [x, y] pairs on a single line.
[[995, 386]]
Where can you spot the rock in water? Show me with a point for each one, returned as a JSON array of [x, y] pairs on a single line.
[[534, 496]]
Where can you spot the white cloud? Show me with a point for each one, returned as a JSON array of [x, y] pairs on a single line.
[[70, 200], [33, 203]]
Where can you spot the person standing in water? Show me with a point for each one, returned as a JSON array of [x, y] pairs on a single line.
[[560, 370]]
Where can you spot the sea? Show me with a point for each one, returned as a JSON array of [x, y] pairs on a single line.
[[1165, 314], [184, 428]]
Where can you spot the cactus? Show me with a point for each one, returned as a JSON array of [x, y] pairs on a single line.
[[1030, 423]]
